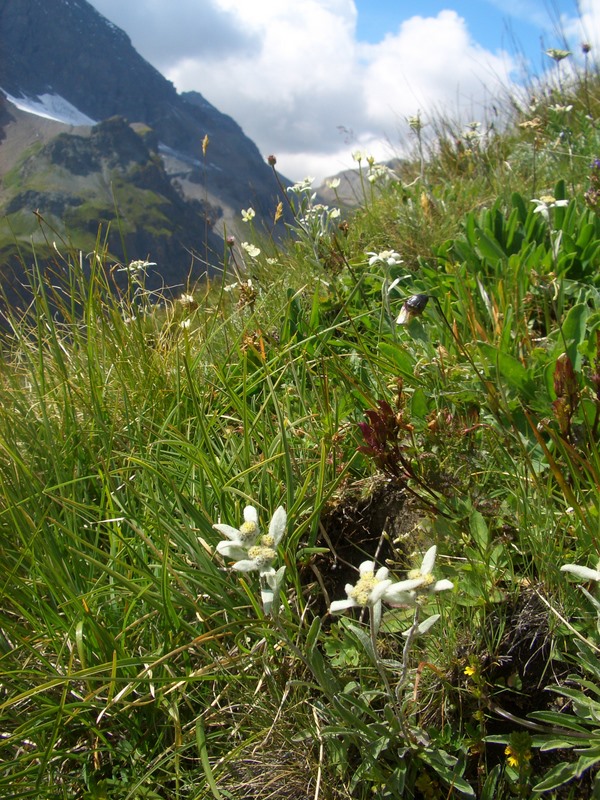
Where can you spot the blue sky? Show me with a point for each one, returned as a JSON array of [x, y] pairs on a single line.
[[312, 81], [495, 24]]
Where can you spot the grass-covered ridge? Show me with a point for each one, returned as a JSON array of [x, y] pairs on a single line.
[[381, 608]]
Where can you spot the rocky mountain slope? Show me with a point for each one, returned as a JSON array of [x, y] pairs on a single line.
[[91, 134]]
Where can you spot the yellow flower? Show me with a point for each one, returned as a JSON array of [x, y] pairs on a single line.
[[470, 671], [512, 759]]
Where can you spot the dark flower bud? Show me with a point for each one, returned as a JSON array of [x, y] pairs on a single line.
[[413, 307]]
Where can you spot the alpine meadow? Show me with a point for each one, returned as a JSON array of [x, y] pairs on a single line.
[[325, 526]]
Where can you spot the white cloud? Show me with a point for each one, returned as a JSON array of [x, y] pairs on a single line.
[[310, 77], [585, 27], [164, 32], [293, 74], [431, 63]]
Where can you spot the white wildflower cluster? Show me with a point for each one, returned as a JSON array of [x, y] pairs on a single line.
[[303, 189], [315, 219], [376, 587], [377, 173], [251, 249], [255, 551], [137, 267], [415, 123], [380, 174], [472, 133], [558, 109]]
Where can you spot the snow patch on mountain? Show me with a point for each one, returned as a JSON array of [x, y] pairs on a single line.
[[51, 106]]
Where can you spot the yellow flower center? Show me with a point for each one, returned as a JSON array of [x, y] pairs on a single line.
[[427, 579], [248, 530], [261, 555], [364, 586]]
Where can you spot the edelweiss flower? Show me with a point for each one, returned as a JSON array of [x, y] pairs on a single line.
[[253, 551], [558, 55], [545, 203], [256, 552], [239, 540], [372, 588], [427, 584], [369, 589], [389, 257]]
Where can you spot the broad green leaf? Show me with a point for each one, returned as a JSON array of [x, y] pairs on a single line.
[[400, 357], [479, 530], [509, 368], [557, 776]]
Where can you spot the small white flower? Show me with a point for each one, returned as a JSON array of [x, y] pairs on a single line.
[[333, 183], [240, 540], [368, 591], [427, 583], [302, 186], [260, 556], [585, 573], [185, 323], [371, 589], [415, 123], [252, 250], [545, 203], [137, 266], [358, 156], [248, 214], [187, 300], [389, 257]]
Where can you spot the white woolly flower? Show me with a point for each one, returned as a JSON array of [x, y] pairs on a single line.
[[240, 540], [585, 573], [371, 589], [255, 552], [545, 203], [260, 554], [368, 591], [302, 186], [389, 257], [427, 583]]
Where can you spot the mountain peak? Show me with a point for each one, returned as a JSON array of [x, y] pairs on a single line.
[[62, 60]]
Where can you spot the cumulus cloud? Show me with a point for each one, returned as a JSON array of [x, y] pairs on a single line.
[[164, 32], [585, 27], [312, 93], [296, 78]]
